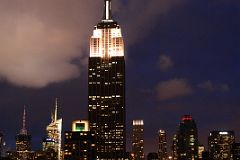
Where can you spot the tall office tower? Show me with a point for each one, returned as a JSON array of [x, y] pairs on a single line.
[[162, 145], [220, 145], [201, 149], [80, 143], [54, 131], [23, 139], [187, 139], [106, 87], [137, 140], [236, 151]]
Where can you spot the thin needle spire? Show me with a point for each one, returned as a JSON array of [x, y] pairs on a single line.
[[56, 109], [24, 130]]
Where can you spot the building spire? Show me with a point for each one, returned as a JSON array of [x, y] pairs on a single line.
[[24, 130], [56, 110], [107, 10]]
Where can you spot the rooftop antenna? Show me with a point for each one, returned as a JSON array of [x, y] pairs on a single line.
[[107, 10]]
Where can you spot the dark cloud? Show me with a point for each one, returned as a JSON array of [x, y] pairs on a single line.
[[140, 16], [165, 62], [173, 88], [210, 86]]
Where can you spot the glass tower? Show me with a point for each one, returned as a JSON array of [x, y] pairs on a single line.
[[106, 87], [187, 139], [54, 132]]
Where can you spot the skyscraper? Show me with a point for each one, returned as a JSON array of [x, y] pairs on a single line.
[[137, 140], [23, 139], [54, 131], [162, 145], [187, 139], [220, 145], [106, 87]]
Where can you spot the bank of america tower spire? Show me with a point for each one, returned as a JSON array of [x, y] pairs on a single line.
[[106, 87]]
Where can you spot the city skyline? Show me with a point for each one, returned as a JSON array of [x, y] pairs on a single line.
[[191, 46]]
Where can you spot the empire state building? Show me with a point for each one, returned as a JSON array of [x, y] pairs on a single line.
[[106, 87]]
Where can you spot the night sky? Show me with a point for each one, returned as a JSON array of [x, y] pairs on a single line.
[[182, 57]]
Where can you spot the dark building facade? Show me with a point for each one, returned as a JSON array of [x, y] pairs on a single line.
[[79, 145], [3, 147], [152, 156], [220, 145], [106, 87], [49, 154], [205, 155], [187, 139], [236, 151], [23, 142], [162, 145]]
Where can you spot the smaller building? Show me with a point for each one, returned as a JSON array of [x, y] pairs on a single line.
[[162, 145], [50, 154], [200, 151], [174, 147], [48, 144], [220, 145], [20, 155], [137, 140], [79, 143]]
